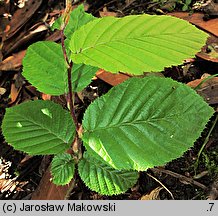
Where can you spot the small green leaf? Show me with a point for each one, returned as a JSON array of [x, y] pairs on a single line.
[[38, 128], [184, 7], [78, 18], [143, 123], [45, 68], [62, 169], [136, 44], [81, 76], [102, 178], [188, 2], [81, 73]]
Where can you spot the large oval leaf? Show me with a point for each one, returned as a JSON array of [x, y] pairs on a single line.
[[143, 123], [38, 128], [62, 169], [136, 44], [102, 178]]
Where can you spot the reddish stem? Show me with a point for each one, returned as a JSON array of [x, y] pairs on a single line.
[[63, 47], [71, 96], [69, 69]]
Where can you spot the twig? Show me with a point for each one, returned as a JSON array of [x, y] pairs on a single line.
[[161, 185], [180, 177]]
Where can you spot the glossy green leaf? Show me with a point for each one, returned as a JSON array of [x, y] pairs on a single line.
[[38, 128], [143, 123], [102, 178], [62, 169], [45, 68], [136, 44]]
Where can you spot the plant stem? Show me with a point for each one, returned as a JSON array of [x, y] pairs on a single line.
[[64, 48], [70, 99], [70, 65], [69, 78]]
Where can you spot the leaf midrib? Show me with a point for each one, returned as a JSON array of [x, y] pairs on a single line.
[[129, 38], [134, 122]]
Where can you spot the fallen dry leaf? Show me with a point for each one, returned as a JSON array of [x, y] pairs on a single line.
[[153, 195], [210, 26], [2, 90], [208, 90], [105, 13], [16, 87], [210, 51], [110, 78], [24, 38], [116, 79], [14, 93], [46, 190], [13, 62], [46, 96], [21, 16]]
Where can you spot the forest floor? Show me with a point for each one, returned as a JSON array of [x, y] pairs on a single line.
[[190, 177]]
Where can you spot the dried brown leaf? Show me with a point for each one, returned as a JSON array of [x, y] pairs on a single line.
[[112, 79], [2, 91], [197, 19], [46, 190], [153, 195], [208, 90], [21, 16], [105, 13], [13, 62]]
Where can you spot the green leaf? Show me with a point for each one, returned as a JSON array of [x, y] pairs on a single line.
[[143, 123], [102, 178], [78, 18], [81, 76], [45, 68], [188, 2], [136, 44], [62, 169], [185, 7], [38, 128], [45, 60]]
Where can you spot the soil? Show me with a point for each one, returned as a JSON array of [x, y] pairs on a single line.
[[26, 172]]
